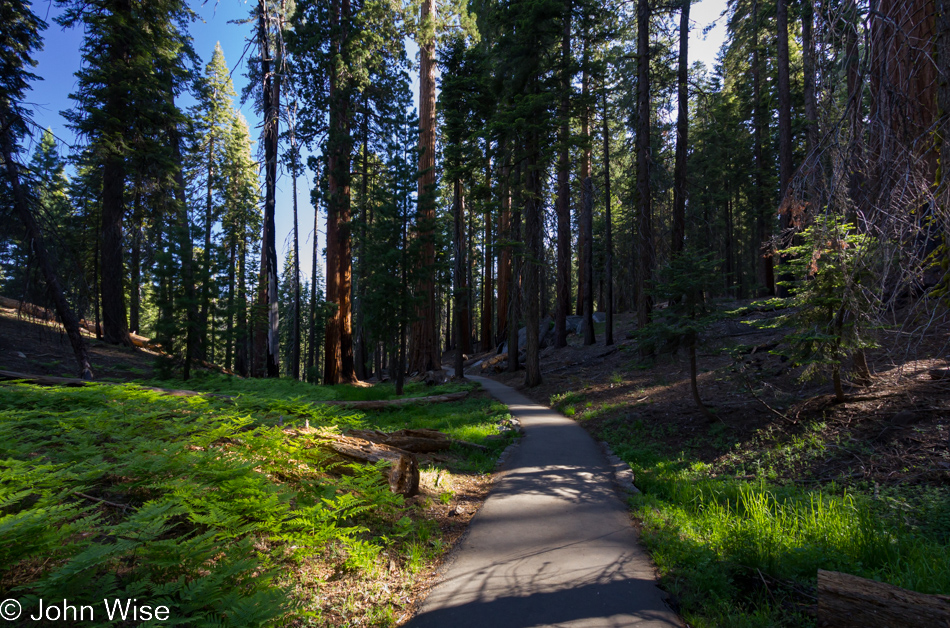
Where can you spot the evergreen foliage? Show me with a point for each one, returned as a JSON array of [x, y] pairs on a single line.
[[831, 306]]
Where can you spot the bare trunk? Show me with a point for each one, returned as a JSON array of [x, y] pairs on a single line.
[[682, 134], [694, 386], [267, 345], [312, 345], [504, 257], [609, 262], [135, 290], [206, 254], [532, 284], [458, 278], [582, 238], [808, 72], [488, 281], [514, 286], [242, 338], [295, 347], [645, 212], [588, 203], [425, 336], [186, 256], [764, 272], [784, 130], [229, 328], [563, 299]]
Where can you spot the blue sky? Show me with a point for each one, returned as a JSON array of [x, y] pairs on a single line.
[[60, 59]]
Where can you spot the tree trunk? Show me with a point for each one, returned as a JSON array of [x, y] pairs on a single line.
[[808, 72], [942, 54], [66, 316], [206, 254], [504, 257], [242, 339], [682, 134], [360, 349], [458, 279], [338, 357], [563, 299], [267, 346], [582, 273], [229, 329], [693, 384], [609, 263], [312, 332], [295, 346], [426, 354], [764, 271], [587, 201], [533, 239], [114, 327], [514, 286], [488, 281], [645, 212], [186, 255], [784, 131], [135, 290]]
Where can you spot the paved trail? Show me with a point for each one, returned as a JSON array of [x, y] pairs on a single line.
[[552, 545]]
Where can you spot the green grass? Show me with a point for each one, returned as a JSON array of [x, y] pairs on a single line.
[[206, 505], [716, 541]]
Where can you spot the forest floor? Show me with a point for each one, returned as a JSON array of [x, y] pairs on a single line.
[[31, 345], [886, 449], [328, 550]]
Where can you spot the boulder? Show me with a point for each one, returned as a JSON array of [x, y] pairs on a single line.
[[573, 324]]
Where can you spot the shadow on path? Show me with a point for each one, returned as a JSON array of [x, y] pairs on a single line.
[[552, 545]]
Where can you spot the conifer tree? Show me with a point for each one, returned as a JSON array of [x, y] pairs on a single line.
[[124, 113], [213, 116]]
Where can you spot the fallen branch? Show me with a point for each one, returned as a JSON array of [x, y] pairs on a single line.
[[389, 403], [102, 501]]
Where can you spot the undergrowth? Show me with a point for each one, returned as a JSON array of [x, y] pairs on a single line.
[[746, 553], [204, 505]]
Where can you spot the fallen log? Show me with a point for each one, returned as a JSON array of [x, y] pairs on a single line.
[[388, 403], [43, 380], [487, 364], [420, 441], [402, 474], [28, 308], [846, 601]]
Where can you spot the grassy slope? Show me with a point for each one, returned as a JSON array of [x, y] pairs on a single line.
[[744, 550], [207, 506]]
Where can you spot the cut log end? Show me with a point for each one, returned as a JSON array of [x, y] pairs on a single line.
[[402, 474]]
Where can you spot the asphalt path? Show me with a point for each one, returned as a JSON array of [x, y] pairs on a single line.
[[553, 545]]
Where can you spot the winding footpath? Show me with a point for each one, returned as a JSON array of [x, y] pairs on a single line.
[[553, 544]]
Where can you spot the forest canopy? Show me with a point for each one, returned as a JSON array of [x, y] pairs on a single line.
[[564, 153]]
